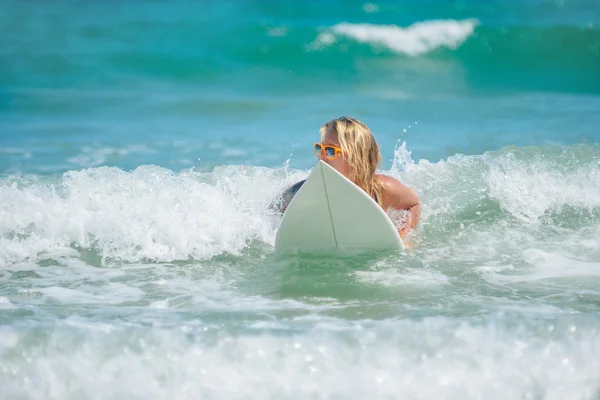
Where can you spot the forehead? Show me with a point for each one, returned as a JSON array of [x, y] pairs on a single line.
[[331, 137]]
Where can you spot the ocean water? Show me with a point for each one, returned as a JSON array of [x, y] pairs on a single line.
[[141, 143]]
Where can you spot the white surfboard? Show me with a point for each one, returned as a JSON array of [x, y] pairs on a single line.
[[330, 212]]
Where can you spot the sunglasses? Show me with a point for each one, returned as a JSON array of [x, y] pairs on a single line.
[[329, 152]]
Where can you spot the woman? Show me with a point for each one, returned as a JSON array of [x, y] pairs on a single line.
[[348, 146]]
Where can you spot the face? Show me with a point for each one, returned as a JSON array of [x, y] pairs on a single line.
[[340, 163]]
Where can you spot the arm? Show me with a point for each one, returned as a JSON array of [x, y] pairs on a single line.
[[401, 197]]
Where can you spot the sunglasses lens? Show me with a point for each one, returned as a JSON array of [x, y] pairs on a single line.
[[329, 152], [318, 149]]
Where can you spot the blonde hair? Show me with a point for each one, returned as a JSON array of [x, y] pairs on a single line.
[[361, 151]]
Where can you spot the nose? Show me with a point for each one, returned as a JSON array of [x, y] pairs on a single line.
[[326, 160]]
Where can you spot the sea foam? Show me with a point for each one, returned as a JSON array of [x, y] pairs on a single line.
[[416, 39]]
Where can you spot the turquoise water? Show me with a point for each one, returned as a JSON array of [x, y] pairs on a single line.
[[142, 142]]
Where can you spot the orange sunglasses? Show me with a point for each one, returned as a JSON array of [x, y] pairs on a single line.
[[330, 152]]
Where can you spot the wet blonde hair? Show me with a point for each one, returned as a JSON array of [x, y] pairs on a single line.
[[361, 151]]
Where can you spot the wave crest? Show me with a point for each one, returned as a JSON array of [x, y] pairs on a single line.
[[416, 39]]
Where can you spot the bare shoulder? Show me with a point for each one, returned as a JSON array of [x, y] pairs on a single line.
[[396, 194], [388, 180], [392, 185]]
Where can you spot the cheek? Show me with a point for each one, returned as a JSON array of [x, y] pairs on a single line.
[[344, 163], [341, 165]]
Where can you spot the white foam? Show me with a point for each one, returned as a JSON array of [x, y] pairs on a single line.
[[528, 189], [416, 39], [113, 293], [551, 265], [5, 304], [88, 325], [393, 278], [419, 359], [9, 338], [160, 305], [149, 213]]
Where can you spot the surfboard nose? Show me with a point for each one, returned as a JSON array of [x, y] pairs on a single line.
[[331, 212]]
